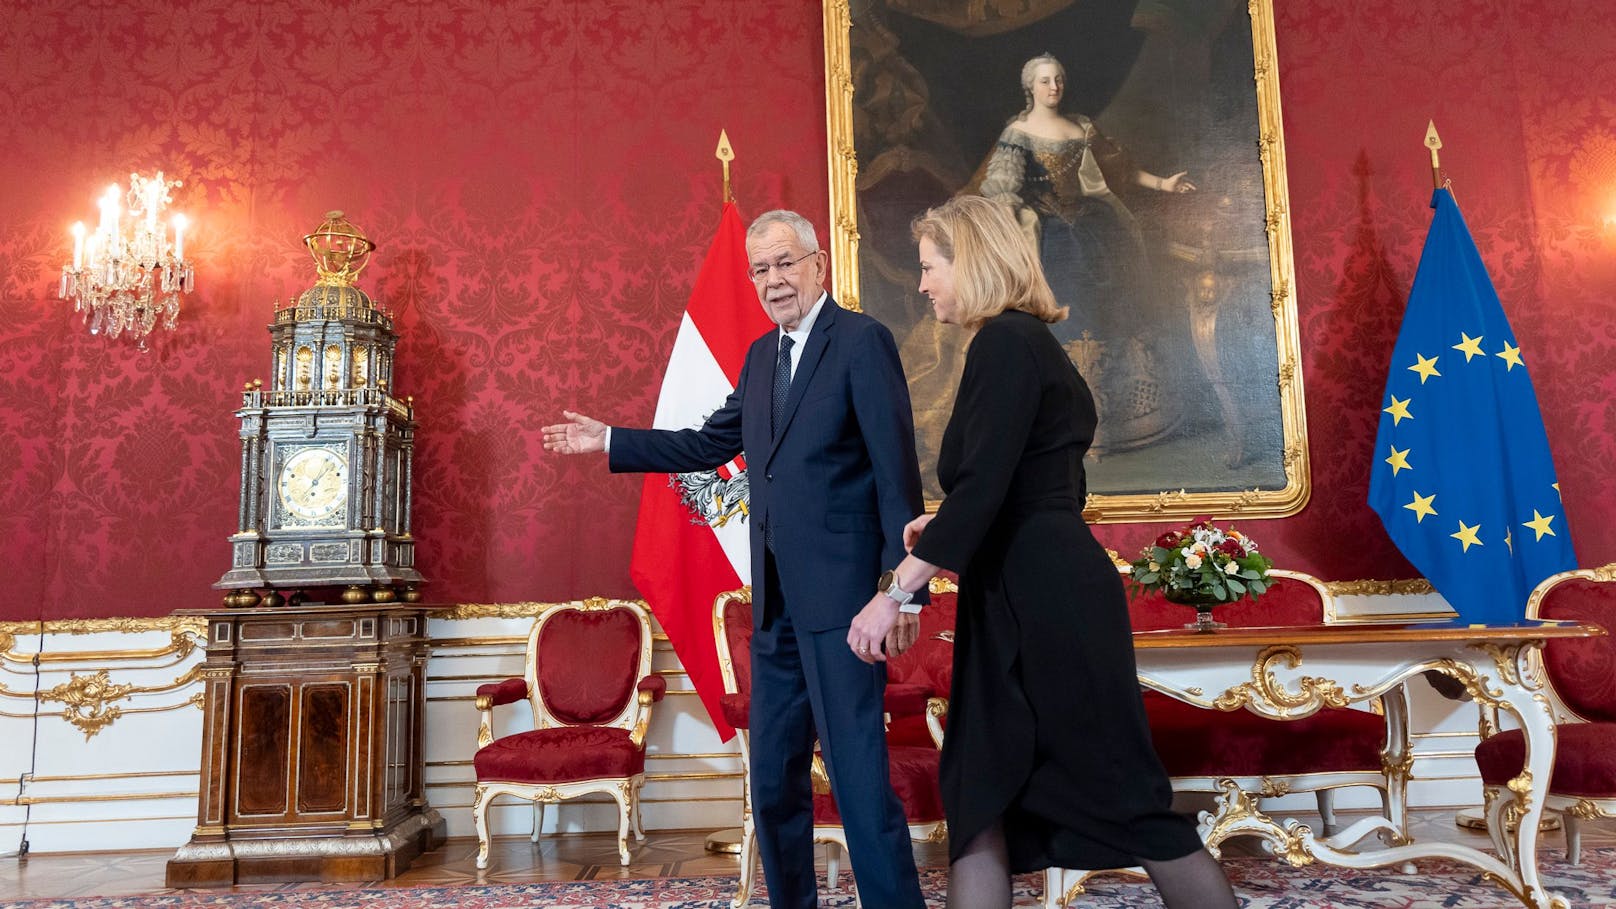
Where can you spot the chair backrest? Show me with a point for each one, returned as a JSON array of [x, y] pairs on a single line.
[[1582, 671], [930, 662], [1294, 598], [732, 629], [584, 660]]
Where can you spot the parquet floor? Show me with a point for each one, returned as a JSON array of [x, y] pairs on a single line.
[[571, 857]]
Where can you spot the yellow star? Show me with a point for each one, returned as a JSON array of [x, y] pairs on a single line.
[[1398, 410], [1510, 355], [1398, 460], [1426, 367], [1557, 491], [1467, 536], [1421, 506], [1470, 346], [1540, 523]]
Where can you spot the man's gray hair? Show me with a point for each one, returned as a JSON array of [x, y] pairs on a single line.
[[802, 227]]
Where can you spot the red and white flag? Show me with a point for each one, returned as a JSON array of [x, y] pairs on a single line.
[[690, 541]]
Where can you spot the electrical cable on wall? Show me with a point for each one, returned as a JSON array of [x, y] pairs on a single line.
[[21, 852]]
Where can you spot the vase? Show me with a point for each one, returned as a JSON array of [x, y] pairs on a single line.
[[1204, 623]]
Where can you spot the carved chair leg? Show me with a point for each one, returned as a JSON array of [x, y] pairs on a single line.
[[1326, 800], [538, 819], [1573, 835], [622, 794], [479, 815], [749, 850], [639, 819], [833, 864]]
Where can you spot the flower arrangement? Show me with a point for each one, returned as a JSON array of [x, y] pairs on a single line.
[[1202, 563]]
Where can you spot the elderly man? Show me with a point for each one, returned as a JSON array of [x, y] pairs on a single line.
[[822, 414]]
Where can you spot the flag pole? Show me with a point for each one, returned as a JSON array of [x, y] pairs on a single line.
[[726, 154]]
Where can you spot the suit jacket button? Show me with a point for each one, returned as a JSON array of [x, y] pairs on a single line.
[[769, 477]]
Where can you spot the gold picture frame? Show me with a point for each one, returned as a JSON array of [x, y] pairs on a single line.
[[1217, 303]]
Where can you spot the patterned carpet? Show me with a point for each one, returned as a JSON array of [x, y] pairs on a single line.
[[1262, 884]]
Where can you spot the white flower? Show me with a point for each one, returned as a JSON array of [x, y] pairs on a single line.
[[1232, 568], [1192, 561], [1155, 566]]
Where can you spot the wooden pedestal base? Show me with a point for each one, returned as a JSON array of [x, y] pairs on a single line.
[[224, 863], [312, 766]]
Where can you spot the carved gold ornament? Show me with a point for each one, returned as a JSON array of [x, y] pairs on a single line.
[[88, 699], [1238, 813], [1311, 694], [1588, 809]]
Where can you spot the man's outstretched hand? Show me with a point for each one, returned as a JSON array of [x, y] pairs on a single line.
[[578, 435]]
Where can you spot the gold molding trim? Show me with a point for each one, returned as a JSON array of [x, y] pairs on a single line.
[[193, 625], [103, 797], [127, 775], [842, 161], [1400, 587], [526, 609]]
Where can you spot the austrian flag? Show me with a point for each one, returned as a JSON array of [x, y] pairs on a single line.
[[690, 541]]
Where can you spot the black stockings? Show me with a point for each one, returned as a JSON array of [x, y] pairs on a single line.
[[980, 877], [1195, 881]]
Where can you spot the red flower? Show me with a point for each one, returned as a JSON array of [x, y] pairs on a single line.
[[1232, 548], [1169, 539]]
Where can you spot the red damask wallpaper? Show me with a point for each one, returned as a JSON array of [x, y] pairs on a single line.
[[541, 182]]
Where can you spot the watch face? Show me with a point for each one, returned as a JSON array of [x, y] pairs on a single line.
[[314, 483]]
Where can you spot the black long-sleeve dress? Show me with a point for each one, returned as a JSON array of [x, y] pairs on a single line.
[[1046, 728]]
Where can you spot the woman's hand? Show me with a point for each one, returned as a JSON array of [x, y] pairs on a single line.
[[911, 531], [1177, 183], [871, 627]]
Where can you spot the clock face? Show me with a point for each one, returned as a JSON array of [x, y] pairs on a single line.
[[314, 483]]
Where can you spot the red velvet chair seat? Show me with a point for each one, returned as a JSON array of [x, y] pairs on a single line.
[[1193, 742], [914, 778], [561, 754], [1584, 759]]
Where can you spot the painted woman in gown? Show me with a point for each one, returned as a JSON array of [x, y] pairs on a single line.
[[1058, 173], [1048, 760]]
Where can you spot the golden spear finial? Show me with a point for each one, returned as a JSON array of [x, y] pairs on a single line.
[[1434, 142], [726, 155]]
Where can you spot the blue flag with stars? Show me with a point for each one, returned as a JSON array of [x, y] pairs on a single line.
[[1462, 477]]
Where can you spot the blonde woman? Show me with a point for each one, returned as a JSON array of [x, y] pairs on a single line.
[[1048, 759]]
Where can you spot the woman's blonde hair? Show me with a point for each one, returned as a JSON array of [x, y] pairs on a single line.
[[995, 265]]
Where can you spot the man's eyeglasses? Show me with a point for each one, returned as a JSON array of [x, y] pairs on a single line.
[[786, 268]]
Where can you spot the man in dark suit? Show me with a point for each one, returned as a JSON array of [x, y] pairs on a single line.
[[822, 413]]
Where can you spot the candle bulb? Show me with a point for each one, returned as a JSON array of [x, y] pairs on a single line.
[[78, 245], [179, 237]]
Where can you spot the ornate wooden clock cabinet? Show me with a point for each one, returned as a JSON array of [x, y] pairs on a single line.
[[312, 751]]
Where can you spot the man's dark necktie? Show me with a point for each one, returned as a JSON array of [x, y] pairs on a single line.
[[782, 383], [782, 388]]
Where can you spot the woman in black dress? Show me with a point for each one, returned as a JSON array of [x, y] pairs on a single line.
[[1048, 760]]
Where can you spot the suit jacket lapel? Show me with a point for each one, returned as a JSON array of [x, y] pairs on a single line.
[[812, 352]]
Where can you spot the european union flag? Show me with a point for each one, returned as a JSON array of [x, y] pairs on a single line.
[[1462, 476]]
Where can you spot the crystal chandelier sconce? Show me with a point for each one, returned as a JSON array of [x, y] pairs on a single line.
[[127, 276]]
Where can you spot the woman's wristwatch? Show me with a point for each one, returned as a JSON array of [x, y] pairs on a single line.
[[888, 584]]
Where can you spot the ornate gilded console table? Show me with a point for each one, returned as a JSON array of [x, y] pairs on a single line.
[[1288, 673]]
